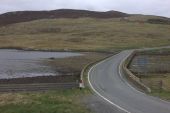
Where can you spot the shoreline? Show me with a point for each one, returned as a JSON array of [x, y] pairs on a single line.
[[57, 50]]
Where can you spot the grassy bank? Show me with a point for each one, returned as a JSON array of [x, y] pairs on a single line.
[[165, 95], [61, 101], [84, 34]]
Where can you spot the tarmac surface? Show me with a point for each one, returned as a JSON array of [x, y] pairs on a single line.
[[107, 81]]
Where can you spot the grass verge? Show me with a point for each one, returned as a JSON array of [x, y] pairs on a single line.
[[165, 95], [61, 101]]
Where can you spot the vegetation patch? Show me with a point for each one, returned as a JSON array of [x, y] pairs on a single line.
[[84, 34], [61, 101], [159, 21]]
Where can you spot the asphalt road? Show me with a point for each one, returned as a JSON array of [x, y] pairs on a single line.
[[107, 81]]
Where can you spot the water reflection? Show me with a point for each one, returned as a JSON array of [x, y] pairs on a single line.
[[17, 63]]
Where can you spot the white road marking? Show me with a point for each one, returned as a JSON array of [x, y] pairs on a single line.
[[120, 74], [133, 87], [119, 107]]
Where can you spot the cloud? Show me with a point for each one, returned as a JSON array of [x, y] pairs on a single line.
[[151, 7]]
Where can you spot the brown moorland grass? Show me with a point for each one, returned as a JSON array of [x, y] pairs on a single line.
[[84, 34]]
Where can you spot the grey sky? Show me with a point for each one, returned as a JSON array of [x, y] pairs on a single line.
[[149, 7]]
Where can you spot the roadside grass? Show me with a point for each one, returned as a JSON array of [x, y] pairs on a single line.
[[158, 82], [60, 101], [84, 34], [165, 95]]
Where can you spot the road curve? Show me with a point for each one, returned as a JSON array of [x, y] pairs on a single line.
[[107, 81]]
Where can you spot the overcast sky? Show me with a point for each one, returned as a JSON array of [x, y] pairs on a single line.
[[149, 7]]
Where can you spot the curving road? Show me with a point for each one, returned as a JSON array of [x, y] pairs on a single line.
[[106, 80]]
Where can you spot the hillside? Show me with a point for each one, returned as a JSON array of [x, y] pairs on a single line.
[[82, 30], [25, 16], [85, 34]]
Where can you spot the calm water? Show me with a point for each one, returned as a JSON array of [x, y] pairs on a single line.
[[18, 63]]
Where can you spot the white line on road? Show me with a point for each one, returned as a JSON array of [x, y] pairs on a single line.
[[119, 107], [120, 74], [135, 88]]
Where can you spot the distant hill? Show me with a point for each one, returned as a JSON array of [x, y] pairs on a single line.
[[24, 16], [151, 19]]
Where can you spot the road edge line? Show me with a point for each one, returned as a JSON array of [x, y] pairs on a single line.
[[120, 74], [131, 86], [119, 107]]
